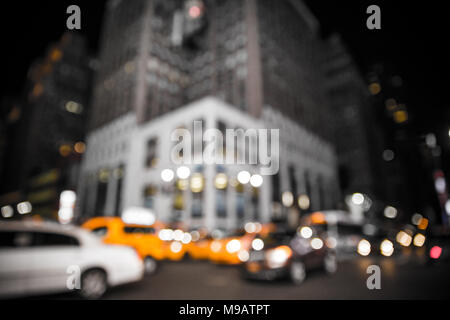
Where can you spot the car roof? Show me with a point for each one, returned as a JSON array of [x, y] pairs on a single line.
[[102, 220], [51, 227], [97, 222]]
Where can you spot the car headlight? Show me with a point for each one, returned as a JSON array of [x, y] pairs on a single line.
[[257, 244], [387, 248], [176, 247], [364, 247], [165, 234], [278, 257], [316, 243], [243, 255], [233, 246]]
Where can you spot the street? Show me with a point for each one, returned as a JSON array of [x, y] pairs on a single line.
[[203, 280]]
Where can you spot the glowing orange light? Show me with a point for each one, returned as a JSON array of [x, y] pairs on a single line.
[[65, 150], [287, 251], [79, 147], [317, 218], [374, 88], [37, 90], [423, 224], [56, 55], [400, 116]]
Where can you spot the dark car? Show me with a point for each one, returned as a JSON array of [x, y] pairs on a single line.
[[288, 255]]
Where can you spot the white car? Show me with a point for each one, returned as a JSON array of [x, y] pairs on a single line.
[[42, 258]]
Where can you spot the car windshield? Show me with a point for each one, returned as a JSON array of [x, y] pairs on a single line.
[[278, 238], [100, 231], [139, 230], [238, 233], [349, 229]]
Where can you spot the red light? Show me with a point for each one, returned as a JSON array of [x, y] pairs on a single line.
[[195, 12], [435, 252]]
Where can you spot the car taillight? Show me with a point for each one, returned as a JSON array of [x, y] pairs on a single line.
[[435, 252]]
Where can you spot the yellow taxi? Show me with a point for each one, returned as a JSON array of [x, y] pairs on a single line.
[[234, 248], [199, 247], [144, 239], [174, 243]]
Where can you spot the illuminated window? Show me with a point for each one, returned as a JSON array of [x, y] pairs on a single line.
[[55, 55], [149, 196], [38, 89]]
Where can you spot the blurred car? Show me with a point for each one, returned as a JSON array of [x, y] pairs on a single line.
[[199, 247], [38, 258], [175, 242], [232, 248], [341, 228], [288, 255], [226, 248], [144, 238], [378, 244]]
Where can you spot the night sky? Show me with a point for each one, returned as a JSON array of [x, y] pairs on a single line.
[[413, 44]]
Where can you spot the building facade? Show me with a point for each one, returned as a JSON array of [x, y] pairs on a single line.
[[231, 64], [45, 150], [357, 138]]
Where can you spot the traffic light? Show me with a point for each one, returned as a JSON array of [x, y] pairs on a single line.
[[188, 22]]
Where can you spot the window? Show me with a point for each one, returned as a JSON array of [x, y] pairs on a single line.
[[293, 181], [118, 201], [53, 239], [222, 127], [102, 188], [149, 196], [276, 188], [139, 230], [15, 239], [240, 206], [255, 201], [348, 229], [221, 203], [151, 159], [198, 143], [100, 231], [197, 207]]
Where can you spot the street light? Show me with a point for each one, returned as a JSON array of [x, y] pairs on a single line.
[[167, 175], [390, 212], [358, 199], [256, 180], [244, 177], [303, 202], [287, 198], [183, 172]]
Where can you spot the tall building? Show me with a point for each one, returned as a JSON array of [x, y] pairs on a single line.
[[357, 137], [243, 52], [45, 151], [232, 64]]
